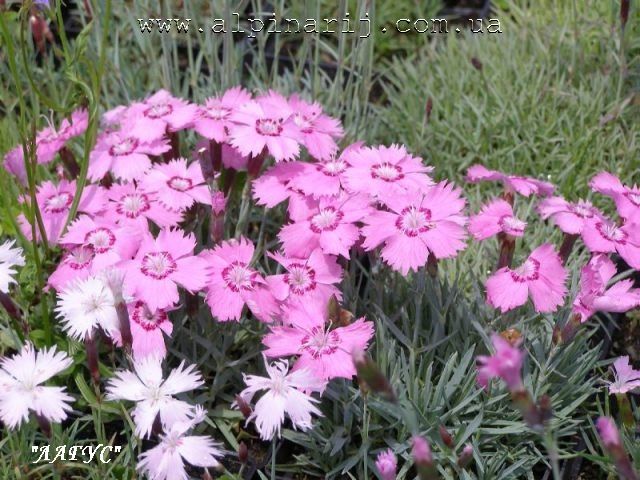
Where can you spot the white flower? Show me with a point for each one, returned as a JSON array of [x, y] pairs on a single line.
[[283, 395], [166, 460], [9, 258], [86, 305], [153, 394], [20, 389]]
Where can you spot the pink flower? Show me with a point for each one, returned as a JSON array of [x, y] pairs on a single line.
[[232, 158], [541, 276], [385, 172], [76, 264], [421, 451], [14, 164], [134, 206], [273, 186], [265, 123], [387, 464], [311, 279], [505, 363], [147, 330], [161, 265], [496, 217], [232, 283], [569, 217], [213, 120], [331, 226], [160, 113], [415, 227], [594, 296], [284, 396], [326, 178], [110, 243], [54, 202], [626, 378], [323, 350], [50, 141], [522, 185], [317, 132], [601, 235], [627, 198], [124, 154], [608, 433], [177, 185]]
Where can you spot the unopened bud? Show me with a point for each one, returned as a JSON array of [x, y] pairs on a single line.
[[243, 452], [446, 437], [370, 374], [545, 409], [423, 459], [465, 456], [512, 335], [477, 64], [432, 265], [243, 406], [427, 110]]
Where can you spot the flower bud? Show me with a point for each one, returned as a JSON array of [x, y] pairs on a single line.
[[243, 452], [371, 376], [423, 459], [446, 437], [243, 406], [465, 456]]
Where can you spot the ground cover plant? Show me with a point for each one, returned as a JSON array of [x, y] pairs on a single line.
[[315, 258]]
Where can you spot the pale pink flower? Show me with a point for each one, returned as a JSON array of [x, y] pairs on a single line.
[[569, 217], [124, 154], [265, 123], [50, 141], [496, 217], [387, 464], [602, 235], [323, 350], [331, 226], [161, 265], [385, 172], [166, 460], [14, 164], [316, 131], [177, 185], [21, 378], [594, 295], [284, 395], [505, 363], [626, 378], [313, 278], [110, 243], [541, 276], [417, 226], [76, 264], [154, 394], [627, 198], [133, 206], [326, 178], [161, 113], [232, 283], [86, 305], [513, 183], [609, 433], [54, 202], [213, 120], [9, 259]]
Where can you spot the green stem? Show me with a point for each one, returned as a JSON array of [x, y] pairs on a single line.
[[552, 452]]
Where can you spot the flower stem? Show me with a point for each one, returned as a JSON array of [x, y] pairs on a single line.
[[552, 452], [273, 458]]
